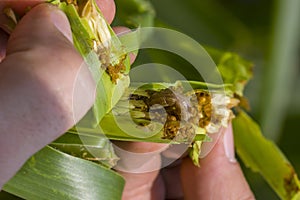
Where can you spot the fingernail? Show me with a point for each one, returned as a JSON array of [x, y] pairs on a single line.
[[228, 143], [60, 20]]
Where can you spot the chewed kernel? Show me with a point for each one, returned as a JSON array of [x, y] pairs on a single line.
[[185, 112]]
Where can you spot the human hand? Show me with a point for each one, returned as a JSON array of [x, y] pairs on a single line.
[[40, 59], [219, 177], [38, 69]]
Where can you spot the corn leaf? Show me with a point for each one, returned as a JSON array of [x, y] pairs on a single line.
[[50, 174], [95, 148], [233, 69], [264, 157]]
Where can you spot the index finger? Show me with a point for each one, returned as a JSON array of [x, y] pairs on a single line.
[[108, 9], [219, 177]]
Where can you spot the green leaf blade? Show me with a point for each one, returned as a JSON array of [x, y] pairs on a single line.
[[50, 174], [263, 156]]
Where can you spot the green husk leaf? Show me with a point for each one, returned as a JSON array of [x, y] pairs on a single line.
[[51, 174], [108, 92], [195, 151], [264, 157], [112, 130], [94, 148], [233, 69]]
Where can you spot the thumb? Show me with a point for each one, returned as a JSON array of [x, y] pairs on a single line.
[[42, 79], [42, 42], [219, 177], [43, 26]]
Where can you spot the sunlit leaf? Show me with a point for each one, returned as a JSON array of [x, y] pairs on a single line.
[[50, 174], [96, 148], [264, 157], [233, 69]]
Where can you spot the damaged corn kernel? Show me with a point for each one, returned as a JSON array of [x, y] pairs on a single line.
[[112, 59], [184, 113]]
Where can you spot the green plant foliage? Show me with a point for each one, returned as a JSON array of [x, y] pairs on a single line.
[[51, 174], [264, 157]]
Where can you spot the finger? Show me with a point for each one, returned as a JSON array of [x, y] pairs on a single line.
[[144, 186], [172, 181], [140, 164], [171, 174], [19, 7], [207, 147], [121, 30], [219, 177], [172, 157], [37, 82], [108, 9], [137, 157]]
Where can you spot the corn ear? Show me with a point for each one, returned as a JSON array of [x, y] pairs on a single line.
[[103, 53], [182, 112]]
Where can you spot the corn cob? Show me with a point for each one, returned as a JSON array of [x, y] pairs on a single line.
[[102, 51], [168, 113]]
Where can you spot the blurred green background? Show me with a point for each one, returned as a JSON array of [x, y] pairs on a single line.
[[264, 32]]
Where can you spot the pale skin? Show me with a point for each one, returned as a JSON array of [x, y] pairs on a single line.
[[35, 103]]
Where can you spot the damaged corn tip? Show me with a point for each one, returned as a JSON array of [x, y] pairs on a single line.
[[96, 22], [220, 112], [111, 58], [183, 114], [101, 35]]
